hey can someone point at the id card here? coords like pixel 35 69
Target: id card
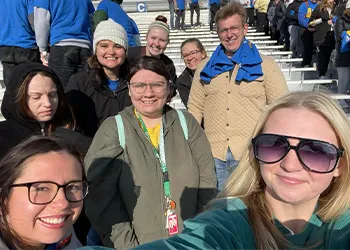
pixel 173 224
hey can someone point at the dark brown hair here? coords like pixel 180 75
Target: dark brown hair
pixel 152 64
pixel 233 8
pixel 161 18
pixel 12 166
pixel 63 115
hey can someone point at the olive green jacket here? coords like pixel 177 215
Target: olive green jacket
pixel 126 198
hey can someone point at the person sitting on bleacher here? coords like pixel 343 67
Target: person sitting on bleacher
pixel 231 88
pixel 294 28
pixel 192 52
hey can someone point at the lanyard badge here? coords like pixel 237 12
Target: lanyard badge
pixel 170 205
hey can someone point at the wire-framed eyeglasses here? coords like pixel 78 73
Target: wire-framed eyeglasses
pixel 156 87
pixel 44 192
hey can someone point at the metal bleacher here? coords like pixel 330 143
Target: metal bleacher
pixel 298 78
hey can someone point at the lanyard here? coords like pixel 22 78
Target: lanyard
pixel 160 155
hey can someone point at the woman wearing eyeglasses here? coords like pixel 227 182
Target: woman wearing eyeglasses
pixel 153 172
pixel 291 188
pixel 193 52
pixel 42 187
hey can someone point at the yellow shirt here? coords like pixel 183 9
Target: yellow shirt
pixel 154 135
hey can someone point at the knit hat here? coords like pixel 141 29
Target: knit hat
pixel 110 30
pixel 162 25
pixel 348 4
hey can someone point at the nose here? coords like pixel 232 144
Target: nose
pixel 60 202
pixel 156 42
pixel 148 90
pixel 291 163
pixel 46 101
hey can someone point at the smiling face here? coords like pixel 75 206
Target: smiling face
pixel 157 41
pixel 45 224
pixel 149 104
pixel 231 33
pixel 42 99
pixel 192 55
pixel 287 181
pixel 109 54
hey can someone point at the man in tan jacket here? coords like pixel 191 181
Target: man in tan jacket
pixel 231 89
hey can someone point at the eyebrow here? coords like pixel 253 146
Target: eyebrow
pixel 38 93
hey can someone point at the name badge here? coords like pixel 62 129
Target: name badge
pixel 173 226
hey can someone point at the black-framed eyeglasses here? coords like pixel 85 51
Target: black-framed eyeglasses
pixel 315 155
pixel 44 192
pixel 191 53
pixel 156 87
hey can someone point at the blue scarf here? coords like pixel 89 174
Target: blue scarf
pixel 247 57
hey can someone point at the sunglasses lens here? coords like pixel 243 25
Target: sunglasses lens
pixel 270 148
pixel 318 156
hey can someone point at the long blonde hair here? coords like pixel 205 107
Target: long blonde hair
pixel 247 184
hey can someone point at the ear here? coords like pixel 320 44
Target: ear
pixel 340 167
pixel 245 27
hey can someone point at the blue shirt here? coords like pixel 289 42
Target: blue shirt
pixel 15 29
pixel 305 11
pixel 113 85
pixel 69 19
pixel 118 15
pixel 181 4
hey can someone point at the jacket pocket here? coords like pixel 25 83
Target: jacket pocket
pixel 211 89
pixel 252 89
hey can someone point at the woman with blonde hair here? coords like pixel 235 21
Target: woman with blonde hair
pixel 291 187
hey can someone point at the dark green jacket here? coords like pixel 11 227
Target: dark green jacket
pixel 126 198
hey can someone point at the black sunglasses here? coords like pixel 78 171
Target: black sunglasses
pixel 315 155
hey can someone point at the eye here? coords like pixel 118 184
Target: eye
pixel 74 187
pixel 35 97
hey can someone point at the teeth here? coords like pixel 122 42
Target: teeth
pixel 110 58
pixel 150 102
pixel 53 220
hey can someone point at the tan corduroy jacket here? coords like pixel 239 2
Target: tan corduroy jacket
pixel 231 110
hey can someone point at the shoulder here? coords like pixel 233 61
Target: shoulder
pixel 268 63
pixel 202 64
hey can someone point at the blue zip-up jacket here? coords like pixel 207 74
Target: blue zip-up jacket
pixel 118 15
pixel 305 11
pixel 15 28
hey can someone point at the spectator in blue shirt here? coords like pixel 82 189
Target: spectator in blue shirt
pixel 66 26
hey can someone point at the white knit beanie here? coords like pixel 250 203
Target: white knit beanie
pixel 110 30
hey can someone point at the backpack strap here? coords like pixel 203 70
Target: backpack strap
pixel 121 133
pixel 183 123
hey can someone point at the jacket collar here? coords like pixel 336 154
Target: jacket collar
pixel 169 116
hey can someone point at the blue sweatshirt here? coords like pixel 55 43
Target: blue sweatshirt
pixel 118 15
pixel 214 1
pixel 181 4
pixel 305 11
pixel 15 28
pixel 63 20
pixel 194 1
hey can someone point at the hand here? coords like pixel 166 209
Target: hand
pixel 44 56
pixel 329 22
pixel 311 29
